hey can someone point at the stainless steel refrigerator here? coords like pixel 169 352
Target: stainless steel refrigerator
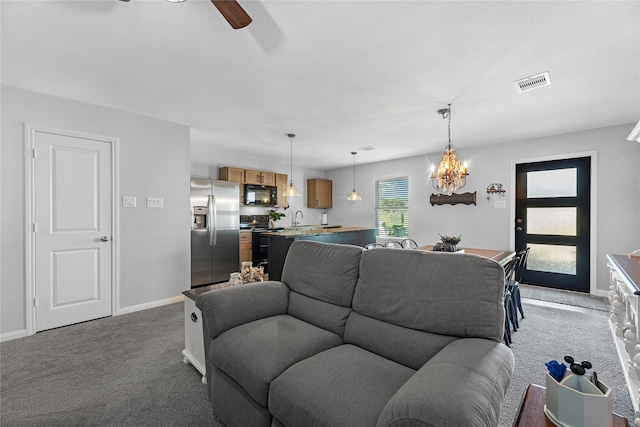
pixel 215 230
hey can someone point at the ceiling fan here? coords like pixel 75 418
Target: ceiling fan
pixel 231 10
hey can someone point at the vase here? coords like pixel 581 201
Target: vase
pixel 445 247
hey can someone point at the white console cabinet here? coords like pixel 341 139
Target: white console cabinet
pixel 624 297
pixel 193 334
pixel 193 340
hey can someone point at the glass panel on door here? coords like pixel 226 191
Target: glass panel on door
pixel 552 258
pixel 553 221
pixel 552 183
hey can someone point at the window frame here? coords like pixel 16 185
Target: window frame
pixel 401 181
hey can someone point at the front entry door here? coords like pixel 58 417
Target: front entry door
pixel 72 180
pixel 553 219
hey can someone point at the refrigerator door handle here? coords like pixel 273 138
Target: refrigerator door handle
pixel 210 219
pixel 213 237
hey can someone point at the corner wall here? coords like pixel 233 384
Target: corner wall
pixel 153 162
pixel 618 192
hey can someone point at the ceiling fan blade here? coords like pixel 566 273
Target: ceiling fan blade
pixel 233 13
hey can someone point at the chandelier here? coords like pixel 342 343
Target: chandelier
pixel 291 191
pixel 354 193
pixel 451 174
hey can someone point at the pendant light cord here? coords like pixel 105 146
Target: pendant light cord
pixel 354 168
pixel 449 128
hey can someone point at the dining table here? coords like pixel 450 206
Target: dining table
pixel 500 256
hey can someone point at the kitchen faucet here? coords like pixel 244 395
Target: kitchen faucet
pixel 295 218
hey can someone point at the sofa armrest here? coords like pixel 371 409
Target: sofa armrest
pixel 462 385
pixel 223 309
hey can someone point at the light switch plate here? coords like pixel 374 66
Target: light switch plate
pixel 155 202
pixel 499 204
pixel 128 201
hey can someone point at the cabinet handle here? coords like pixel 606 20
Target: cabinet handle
pixel 194 317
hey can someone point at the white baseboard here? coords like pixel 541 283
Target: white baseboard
pixel 601 293
pixel 23 332
pixel 13 335
pixel 147 305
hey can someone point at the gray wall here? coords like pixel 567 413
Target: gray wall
pixel 618 192
pixel 153 162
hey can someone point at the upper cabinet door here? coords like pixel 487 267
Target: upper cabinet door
pixel 258 177
pixel 319 193
pixel 231 174
pixel 281 183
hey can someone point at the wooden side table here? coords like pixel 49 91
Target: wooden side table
pixel 531 413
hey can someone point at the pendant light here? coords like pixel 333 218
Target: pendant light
pixel 354 193
pixel 291 191
pixel 451 174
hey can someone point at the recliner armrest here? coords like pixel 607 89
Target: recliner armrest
pixel 227 308
pixel 462 385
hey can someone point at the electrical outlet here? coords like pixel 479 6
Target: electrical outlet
pixel 155 202
pixel 128 201
pixel 499 204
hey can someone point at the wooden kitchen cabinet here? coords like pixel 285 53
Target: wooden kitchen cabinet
pixel 231 174
pixel 245 245
pixel 259 177
pixel 282 183
pixel 319 193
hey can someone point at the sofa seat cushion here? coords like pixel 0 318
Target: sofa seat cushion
pixel 343 386
pixel 255 353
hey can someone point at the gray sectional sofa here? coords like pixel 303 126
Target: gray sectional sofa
pixel 383 337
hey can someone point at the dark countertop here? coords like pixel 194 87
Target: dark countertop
pixel 194 292
pixel 287 233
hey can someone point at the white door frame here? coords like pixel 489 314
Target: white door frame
pixel 29 219
pixel 593 228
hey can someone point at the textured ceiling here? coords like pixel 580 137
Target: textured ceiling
pixel 340 74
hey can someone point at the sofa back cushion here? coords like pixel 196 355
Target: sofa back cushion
pixel 460 295
pixel 322 278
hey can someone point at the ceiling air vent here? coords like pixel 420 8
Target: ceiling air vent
pixel 367 148
pixel 533 82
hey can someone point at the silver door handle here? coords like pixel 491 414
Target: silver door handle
pixel 215 221
pixel 104 239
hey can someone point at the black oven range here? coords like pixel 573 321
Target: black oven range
pixel 258 224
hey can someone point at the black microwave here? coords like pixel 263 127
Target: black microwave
pixel 260 195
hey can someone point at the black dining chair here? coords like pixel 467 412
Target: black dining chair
pixel 522 265
pixel 393 244
pixel 511 315
pixel 374 246
pixel 408 244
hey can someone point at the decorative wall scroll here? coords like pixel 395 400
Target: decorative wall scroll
pixel 453 199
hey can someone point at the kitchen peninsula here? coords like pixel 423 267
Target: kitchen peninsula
pixel 279 242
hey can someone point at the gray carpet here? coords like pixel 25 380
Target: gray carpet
pixel 128 370
pixel 117 371
pixel 549 333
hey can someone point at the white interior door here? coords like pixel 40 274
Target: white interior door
pixel 72 179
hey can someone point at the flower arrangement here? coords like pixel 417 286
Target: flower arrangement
pixel 454 240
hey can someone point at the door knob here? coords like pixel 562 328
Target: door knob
pixel 519 221
pixel 104 239
pixel 518 228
